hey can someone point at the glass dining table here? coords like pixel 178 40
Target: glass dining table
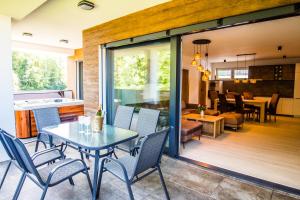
pixel 74 133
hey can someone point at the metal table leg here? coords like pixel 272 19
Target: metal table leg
pixel 96 171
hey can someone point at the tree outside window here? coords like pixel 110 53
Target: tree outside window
pixel 38 71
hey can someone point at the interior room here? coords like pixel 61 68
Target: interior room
pixel 254 62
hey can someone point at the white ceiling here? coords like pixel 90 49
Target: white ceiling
pixel 18 9
pixel 62 19
pixel 260 38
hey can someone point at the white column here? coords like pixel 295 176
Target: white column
pixel 7 118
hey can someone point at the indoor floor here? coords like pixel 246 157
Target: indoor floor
pixel 269 151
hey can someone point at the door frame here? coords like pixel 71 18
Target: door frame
pixel 175 83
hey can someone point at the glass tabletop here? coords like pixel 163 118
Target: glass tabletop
pixel 73 132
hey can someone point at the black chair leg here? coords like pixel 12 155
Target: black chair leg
pixel 20 185
pixel 163 183
pixel 71 181
pixel 44 193
pixel 5 173
pixel 129 190
pixel 36 146
pixel 89 180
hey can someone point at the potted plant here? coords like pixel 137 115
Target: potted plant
pixel 99 119
pixel 201 108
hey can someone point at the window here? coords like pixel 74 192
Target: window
pixel 39 71
pixel 241 73
pixel 224 73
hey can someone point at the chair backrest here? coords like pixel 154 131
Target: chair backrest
pixel 248 95
pixel 150 152
pixel 239 105
pixel 147 121
pixel 22 156
pixel 273 103
pixel 5 145
pixel 223 103
pixel 123 117
pixel 9 141
pixel 46 117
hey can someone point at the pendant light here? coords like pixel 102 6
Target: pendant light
pixel 245 67
pixel 253 81
pixel 198 60
pixel 237 81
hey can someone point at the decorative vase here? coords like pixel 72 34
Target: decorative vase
pixel 98 123
pixel 202 113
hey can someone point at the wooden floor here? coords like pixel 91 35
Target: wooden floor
pixel 269 151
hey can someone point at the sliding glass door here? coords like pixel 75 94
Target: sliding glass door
pixel 141 78
pixel 144 76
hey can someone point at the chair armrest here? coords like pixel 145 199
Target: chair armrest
pixel 28 142
pixel 110 159
pixel 39 153
pixel 54 170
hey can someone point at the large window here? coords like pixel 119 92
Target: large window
pixel 142 78
pixel 240 73
pixel 224 74
pixel 39 71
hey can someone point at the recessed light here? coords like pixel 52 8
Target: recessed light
pixel 86 5
pixel 26 34
pixel 64 41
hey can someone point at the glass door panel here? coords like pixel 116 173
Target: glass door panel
pixel 141 78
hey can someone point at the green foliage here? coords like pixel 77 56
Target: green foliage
pixel 132 71
pixel 35 72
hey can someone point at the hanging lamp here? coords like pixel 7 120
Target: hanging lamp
pixel 198 58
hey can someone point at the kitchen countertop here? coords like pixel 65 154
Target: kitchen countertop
pixel 45 103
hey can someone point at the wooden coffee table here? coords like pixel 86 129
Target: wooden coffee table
pixel 213 126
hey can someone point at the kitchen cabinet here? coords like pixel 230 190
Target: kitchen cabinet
pixel 296 108
pixel 285 106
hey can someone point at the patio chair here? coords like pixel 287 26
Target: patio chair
pixel 46 117
pixel 39 158
pixel 123 117
pixel 146 124
pixel 130 169
pixel 47 176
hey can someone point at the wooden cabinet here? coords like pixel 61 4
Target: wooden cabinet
pixel 25 123
pixel 285 106
pixel 272 72
pixel 296 108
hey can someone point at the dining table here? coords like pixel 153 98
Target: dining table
pixel 261 103
pixel 83 137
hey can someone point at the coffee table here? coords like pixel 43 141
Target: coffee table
pixel 213 126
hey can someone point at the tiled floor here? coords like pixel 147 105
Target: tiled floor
pixel 184 181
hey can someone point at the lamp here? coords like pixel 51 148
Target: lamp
pixel 196 62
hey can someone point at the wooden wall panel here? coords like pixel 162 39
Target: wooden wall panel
pixel 173 14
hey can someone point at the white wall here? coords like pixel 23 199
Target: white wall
pixel 7 119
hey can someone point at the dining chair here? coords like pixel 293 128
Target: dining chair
pixel 46 117
pixel 39 158
pixel 240 108
pixel 272 109
pixel 47 176
pixel 146 124
pixel 223 103
pixel 123 117
pixel 131 169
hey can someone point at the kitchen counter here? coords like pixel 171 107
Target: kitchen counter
pixel 45 103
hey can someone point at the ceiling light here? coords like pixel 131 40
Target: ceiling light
pixel 86 5
pixel 26 34
pixel 64 41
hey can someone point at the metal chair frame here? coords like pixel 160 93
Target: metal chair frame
pixel 136 178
